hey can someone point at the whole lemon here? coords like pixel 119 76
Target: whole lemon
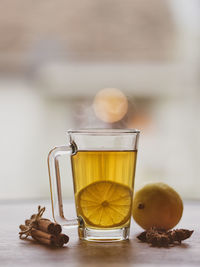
pixel 157 205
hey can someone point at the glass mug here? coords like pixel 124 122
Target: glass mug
pixel 103 168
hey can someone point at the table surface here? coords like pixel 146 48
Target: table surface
pixel 16 252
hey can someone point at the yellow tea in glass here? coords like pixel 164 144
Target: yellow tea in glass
pixel 103 168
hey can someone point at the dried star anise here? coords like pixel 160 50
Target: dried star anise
pixel 163 238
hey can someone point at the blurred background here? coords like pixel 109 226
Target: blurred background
pixel 57 56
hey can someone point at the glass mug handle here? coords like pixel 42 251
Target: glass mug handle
pixel 55 184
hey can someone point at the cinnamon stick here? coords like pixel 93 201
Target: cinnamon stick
pixel 43 230
pixel 46 225
pixel 49 239
pixel 57 229
pixel 39 234
pixel 61 240
pixel 65 238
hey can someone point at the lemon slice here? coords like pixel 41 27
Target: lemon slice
pixel 105 204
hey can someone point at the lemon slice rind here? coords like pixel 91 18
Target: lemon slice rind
pixel 105 204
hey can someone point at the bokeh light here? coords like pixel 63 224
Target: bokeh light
pixel 110 105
